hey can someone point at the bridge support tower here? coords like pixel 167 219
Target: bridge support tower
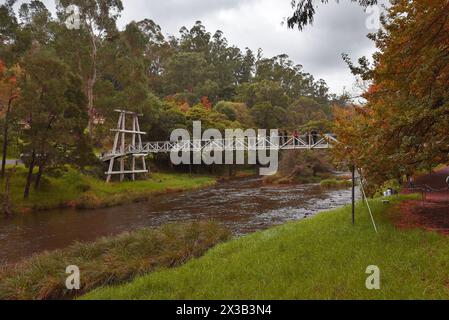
pixel 119 152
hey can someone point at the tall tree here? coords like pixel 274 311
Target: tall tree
pixel 9 92
pixel 8 30
pixel 49 93
pixel 403 127
pixel 98 19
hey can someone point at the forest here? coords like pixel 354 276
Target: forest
pixel 59 85
pixel 375 229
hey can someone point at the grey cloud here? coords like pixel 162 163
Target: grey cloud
pixel 337 28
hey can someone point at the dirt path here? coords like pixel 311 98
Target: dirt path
pixel 433 212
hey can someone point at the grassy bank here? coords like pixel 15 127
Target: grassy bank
pixel 73 189
pixel 324 257
pixel 109 260
pixel 335 184
pixel 279 179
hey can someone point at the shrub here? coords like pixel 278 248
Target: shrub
pixel 88 200
pixel 390 184
pixel 335 184
pixel 84 187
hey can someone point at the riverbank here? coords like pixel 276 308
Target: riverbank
pixel 323 257
pixel 72 189
pixel 242 205
pixel 109 260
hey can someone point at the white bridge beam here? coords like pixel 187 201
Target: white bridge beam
pixel 305 142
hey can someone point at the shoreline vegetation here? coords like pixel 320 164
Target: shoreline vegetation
pixel 323 257
pixel 335 183
pixel 302 167
pixel 69 188
pixel 109 260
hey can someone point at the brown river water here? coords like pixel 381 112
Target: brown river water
pixel 243 206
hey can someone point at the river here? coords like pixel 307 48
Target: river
pixel 243 206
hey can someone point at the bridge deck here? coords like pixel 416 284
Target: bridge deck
pixel 305 142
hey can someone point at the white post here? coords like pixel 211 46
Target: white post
pixel 133 160
pixel 122 149
pixel 139 136
pixel 114 150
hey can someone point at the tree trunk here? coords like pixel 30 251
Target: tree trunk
pixel 90 85
pixel 38 177
pixel 7 198
pixel 26 193
pixel 5 138
pixel 90 106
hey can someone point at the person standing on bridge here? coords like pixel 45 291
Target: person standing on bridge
pixel 296 138
pixel 314 135
pixel 284 136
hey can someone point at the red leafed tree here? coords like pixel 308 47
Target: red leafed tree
pixel 404 126
pixel 9 92
pixel 206 103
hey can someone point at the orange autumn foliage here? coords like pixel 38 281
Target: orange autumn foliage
pixel 8 85
pixel 206 103
pixel 404 125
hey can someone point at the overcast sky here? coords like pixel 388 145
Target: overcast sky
pixel 257 24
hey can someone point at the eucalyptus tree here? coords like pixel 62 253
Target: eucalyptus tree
pixel 97 23
pixel 247 67
pixel 157 54
pixel 9 27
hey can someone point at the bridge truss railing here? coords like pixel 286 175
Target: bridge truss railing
pixel 308 142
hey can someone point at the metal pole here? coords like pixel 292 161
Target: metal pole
pixel 353 195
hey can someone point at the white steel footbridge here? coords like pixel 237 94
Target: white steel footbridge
pixel 138 150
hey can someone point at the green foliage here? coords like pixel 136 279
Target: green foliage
pixel 335 184
pixel 390 184
pixel 228 109
pixel 86 73
pixel 267 116
pixel 185 71
pixel 210 119
pixel 261 92
pixel 235 111
pixel 68 187
pixel 55 118
pixel 304 110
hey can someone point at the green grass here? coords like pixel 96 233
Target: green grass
pixel 324 257
pixel 109 260
pixel 73 189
